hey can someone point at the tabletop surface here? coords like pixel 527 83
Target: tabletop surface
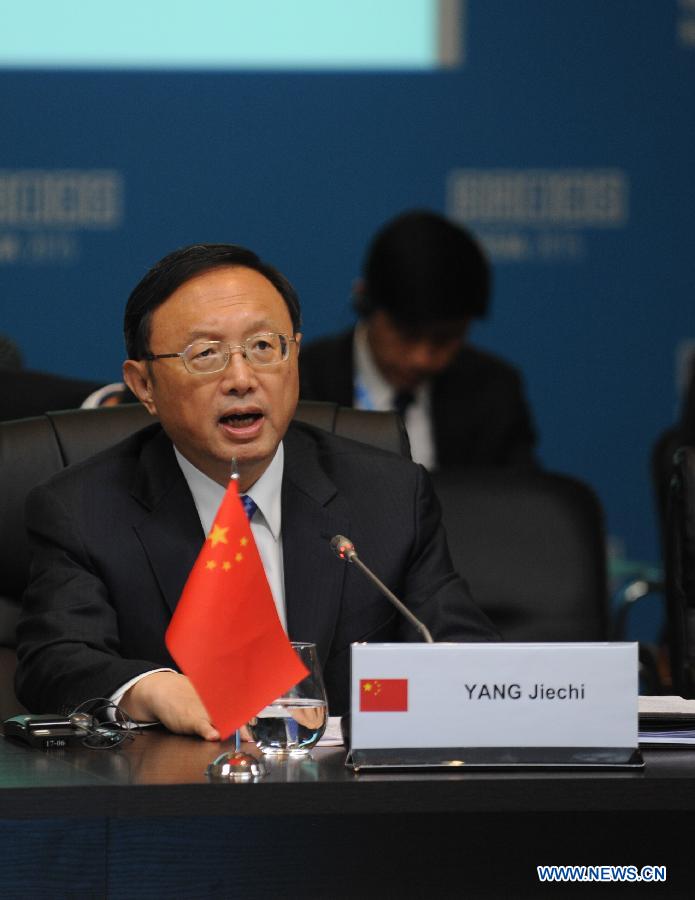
pixel 157 773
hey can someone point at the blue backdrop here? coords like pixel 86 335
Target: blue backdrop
pixel 566 139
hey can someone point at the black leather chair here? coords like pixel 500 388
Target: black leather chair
pixel 679 563
pixel 661 466
pixel 531 545
pixel 31 450
pixel 670 504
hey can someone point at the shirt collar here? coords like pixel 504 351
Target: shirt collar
pixel 266 492
pixel 379 394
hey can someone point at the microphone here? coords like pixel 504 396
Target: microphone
pixel 345 549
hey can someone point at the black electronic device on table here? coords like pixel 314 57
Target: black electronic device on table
pixel 48 732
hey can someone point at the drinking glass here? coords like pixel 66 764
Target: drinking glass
pixel 294 723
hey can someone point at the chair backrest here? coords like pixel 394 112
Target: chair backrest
pixel 531 545
pixel 31 450
pixel 679 564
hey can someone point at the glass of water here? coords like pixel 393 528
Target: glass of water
pixel 294 723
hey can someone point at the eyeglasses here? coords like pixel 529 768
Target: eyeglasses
pixel 206 357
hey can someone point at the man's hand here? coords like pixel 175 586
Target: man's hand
pixel 171 699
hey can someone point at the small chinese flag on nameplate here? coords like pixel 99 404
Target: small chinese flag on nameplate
pixel 225 633
pixel 384 695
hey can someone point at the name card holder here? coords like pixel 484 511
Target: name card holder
pixel 569 705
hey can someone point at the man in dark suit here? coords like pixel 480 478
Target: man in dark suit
pixel 213 336
pixel 425 280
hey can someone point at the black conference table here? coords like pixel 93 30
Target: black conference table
pixel 144 821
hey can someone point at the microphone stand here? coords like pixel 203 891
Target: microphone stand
pixel 346 550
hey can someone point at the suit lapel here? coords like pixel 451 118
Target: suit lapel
pixel 171 533
pixel 312 512
pixel 453 412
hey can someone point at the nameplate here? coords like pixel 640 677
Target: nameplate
pixel 578 695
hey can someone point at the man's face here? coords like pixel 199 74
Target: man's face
pixel 241 412
pixel 407 357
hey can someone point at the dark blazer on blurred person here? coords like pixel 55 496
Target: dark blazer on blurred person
pixel 24 392
pixel 479 413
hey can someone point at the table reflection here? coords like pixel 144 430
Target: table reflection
pixel 157 757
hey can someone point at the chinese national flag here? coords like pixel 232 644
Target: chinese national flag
pixel 384 695
pixel 225 633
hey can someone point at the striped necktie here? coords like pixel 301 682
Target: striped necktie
pixel 249 505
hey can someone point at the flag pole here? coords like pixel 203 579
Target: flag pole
pixel 234 476
pixel 237 765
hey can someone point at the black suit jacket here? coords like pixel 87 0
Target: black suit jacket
pixel 24 392
pixel 115 537
pixel 479 413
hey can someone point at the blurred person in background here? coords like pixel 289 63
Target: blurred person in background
pixel 26 392
pixel 424 282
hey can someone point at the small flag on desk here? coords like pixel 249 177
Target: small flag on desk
pixel 225 634
pixel 384 695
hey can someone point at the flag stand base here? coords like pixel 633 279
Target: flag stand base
pixel 236 766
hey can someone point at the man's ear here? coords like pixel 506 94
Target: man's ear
pixel 360 298
pixel 137 375
pixel 298 340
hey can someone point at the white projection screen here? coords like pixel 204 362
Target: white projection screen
pixel 232 34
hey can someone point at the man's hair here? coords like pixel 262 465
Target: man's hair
pixel 422 269
pixel 176 269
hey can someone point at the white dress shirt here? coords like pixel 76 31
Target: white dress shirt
pixel 265 523
pixel 372 391
pixel 266 528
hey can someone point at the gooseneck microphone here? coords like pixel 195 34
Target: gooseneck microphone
pixel 345 549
